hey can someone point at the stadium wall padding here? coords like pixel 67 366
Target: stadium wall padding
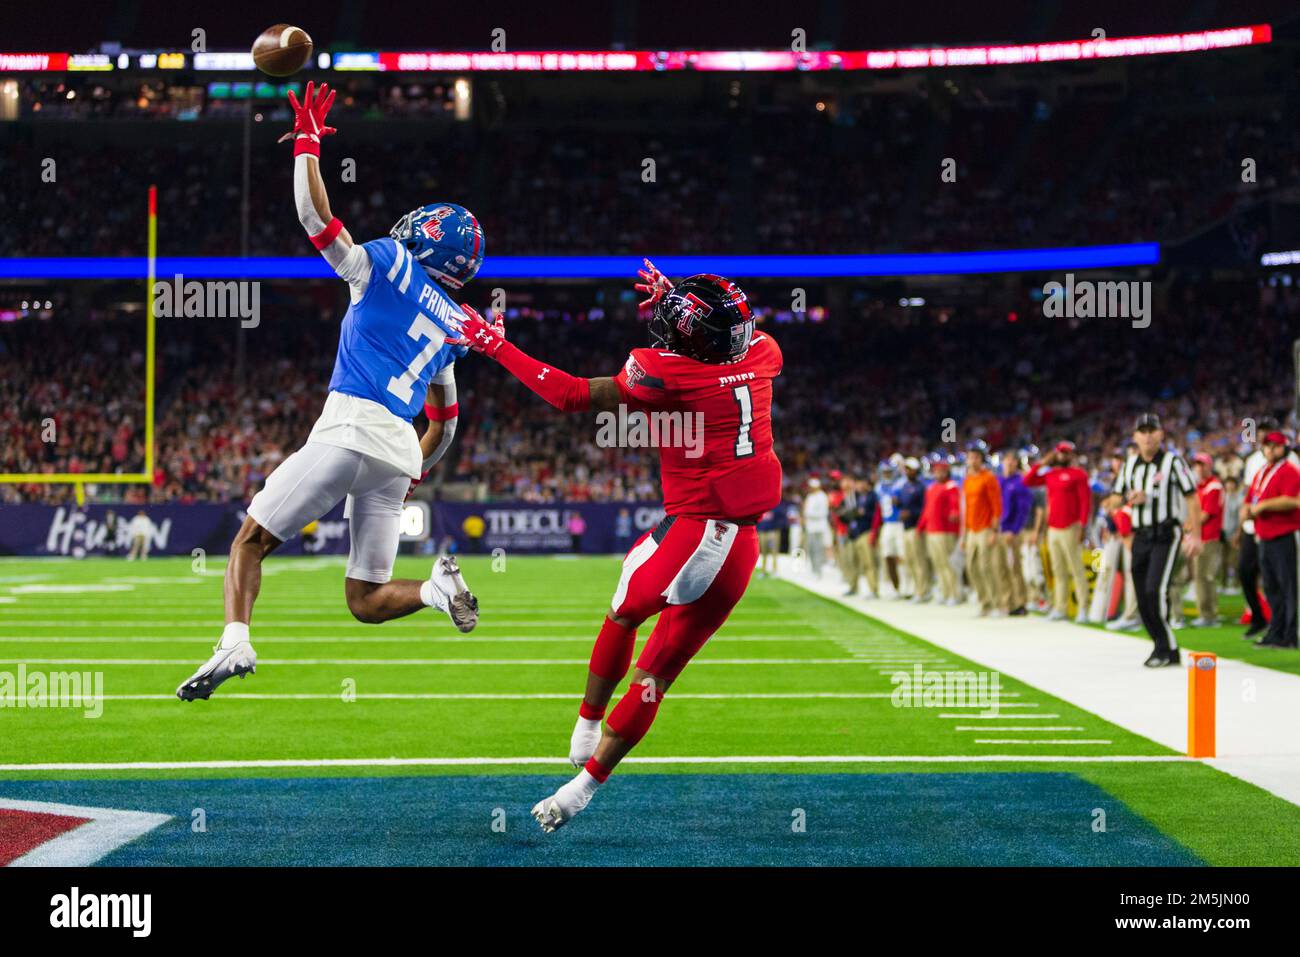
pixel 474 527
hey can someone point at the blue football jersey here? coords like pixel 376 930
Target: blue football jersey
pixel 886 494
pixel 393 339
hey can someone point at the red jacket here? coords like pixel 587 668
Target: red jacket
pixel 1069 499
pixel 1282 478
pixel 941 512
pixel 1210 494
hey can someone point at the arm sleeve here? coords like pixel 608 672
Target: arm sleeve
pixel 447 414
pixel 566 392
pixel 1034 476
pixel 323 235
pixel 1085 498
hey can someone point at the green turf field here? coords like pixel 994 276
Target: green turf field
pixel 791 683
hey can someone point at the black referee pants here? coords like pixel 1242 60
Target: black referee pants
pixel 1282 588
pixel 1155 551
pixel 1248 575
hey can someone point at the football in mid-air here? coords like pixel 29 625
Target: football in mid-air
pixel 282 50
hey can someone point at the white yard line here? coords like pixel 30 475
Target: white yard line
pixel 981 716
pixel 416 662
pixel 1041 741
pixel 1021 729
pixel 1101 672
pixel 743 759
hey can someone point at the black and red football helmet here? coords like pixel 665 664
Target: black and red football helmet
pixel 704 317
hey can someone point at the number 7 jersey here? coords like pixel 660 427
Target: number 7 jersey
pixel 715 443
pixel 392 344
pixel 392 340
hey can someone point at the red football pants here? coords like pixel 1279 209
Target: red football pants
pixel 692 572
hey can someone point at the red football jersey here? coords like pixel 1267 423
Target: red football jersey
pixel 725 467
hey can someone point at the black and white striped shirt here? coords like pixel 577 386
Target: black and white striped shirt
pixel 1166 479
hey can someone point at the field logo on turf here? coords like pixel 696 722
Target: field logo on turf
pixel 1085 299
pixel 74 909
pixel 53 689
pixel 919 688
pixel 209 300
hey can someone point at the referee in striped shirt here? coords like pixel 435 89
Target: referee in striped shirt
pixel 1161 491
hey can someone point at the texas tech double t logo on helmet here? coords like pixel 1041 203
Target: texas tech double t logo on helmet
pixel 704 317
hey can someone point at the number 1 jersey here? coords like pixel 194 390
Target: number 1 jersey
pixel 715 443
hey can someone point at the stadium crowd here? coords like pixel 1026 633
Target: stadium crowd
pixel 885 383
pixel 860 177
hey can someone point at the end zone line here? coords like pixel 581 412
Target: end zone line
pixel 560 761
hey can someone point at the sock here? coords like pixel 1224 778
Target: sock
pixel 612 654
pixel 234 633
pixel 633 714
pixel 589 713
pixel 432 596
pixel 592 776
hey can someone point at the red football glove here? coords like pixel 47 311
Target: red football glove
pixel 478 335
pixel 309 119
pixel 655 286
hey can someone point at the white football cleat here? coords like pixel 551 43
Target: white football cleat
pixel 582 744
pixel 462 606
pixel 554 812
pixel 225 663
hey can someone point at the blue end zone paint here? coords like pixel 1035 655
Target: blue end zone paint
pixel 645 819
pixel 613 267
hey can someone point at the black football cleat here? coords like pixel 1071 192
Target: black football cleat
pixel 1162 659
